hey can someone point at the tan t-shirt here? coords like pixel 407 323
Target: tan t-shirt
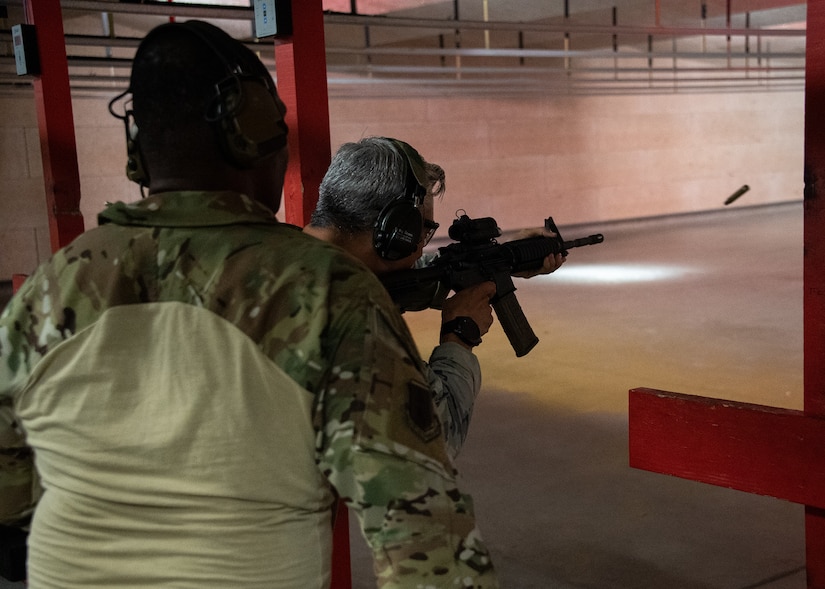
pixel 184 474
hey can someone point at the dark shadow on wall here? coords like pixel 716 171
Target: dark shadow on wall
pixel 5 293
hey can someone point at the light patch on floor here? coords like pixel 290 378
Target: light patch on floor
pixel 617 273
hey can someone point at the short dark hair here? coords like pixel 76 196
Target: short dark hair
pixel 362 179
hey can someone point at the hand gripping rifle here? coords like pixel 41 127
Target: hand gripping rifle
pixel 476 257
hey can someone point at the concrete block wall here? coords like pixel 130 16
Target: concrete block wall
pixel 101 158
pixel 595 159
pixel 580 159
pixel 24 231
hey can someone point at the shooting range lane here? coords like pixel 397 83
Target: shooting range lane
pixel 710 304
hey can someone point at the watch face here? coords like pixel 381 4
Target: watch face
pixel 469 329
pixel 465 328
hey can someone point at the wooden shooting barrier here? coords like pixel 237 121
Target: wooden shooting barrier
pixel 754 448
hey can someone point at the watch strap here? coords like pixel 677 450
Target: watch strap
pixel 465 328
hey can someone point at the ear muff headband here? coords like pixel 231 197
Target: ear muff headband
pixel 135 169
pixel 248 120
pixel 245 109
pixel 416 182
pixel 398 228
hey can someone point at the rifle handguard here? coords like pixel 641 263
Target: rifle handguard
pixel 477 257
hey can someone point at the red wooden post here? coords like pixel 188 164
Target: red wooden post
pixel 56 122
pixel 814 263
pixel 302 84
pixel 341 564
pixel 301 73
pixel 17 281
pixel 754 448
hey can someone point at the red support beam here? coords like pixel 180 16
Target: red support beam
pixel 753 448
pixel 341 561
pixel 302 84
pixel 814 207
pixel 17 281
pixel 56 123
pixel 814 263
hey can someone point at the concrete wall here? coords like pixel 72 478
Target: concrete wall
pixel 579 159
pixel 24 233
pixel 595 158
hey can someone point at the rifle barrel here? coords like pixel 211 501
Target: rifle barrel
pixel 589 240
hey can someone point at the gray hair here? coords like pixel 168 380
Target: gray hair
pixel 362 179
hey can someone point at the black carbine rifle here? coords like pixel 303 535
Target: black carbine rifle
pixel 476 257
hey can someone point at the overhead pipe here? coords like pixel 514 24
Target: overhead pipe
pixel 615 39
pixel 727 21
pixel 337 18
pixel 502 85
pixel 457 33
pixel 566 34
pixel 704 18
pixel 747 38
pixel 521 53
pixel 485 16
pixel 554 53
pixel 563 27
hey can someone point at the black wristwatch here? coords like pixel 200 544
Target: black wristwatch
pixel 465 328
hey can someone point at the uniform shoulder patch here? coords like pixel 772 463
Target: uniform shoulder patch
pixel 421 412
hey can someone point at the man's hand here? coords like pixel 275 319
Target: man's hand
pixel 473 302
pixel 551 263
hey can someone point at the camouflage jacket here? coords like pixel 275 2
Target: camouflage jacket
pixel 315 315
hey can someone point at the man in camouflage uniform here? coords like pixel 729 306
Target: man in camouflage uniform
pixel 364 181
pixel 199 382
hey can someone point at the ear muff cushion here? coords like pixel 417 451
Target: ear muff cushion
pixel 397 230
pixel 135 170
pixel 252 128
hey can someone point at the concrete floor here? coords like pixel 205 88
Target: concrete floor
pixel 706 304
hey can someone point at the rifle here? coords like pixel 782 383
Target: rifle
pixel 476 257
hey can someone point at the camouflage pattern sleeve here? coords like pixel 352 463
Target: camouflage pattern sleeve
pixel 19 485
pixel 454 375
pixel 46 311
pixel 382 448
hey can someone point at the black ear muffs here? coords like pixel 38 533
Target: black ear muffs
pixel 245 110
pixel 135 169
pixel 248 120
pixel 398 228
